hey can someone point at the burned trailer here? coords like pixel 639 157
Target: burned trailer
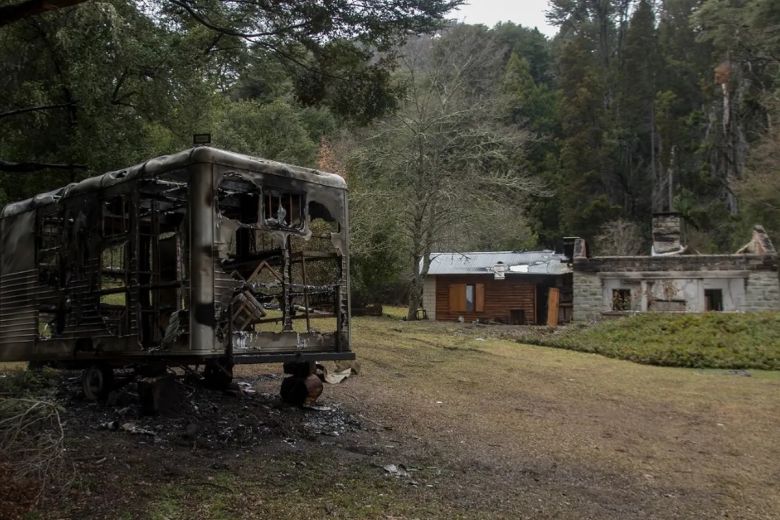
pixel 204 257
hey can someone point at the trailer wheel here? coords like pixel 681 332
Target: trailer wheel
pixel 301 391
pixel 302 387
pixel 96 382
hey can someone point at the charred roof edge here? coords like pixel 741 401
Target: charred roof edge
pixel 159 165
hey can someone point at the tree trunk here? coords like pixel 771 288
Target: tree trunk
pixel 415 290
pixel 422 264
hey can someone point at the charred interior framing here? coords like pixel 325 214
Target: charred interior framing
pixel 199 255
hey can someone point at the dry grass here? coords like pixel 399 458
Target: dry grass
pixel 677 441
pixel 495 429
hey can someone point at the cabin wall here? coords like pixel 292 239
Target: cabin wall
pixel 500 298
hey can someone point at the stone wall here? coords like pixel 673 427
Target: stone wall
pixel 677 263
pixel 429 297
pixel 762 291
pixel 587 302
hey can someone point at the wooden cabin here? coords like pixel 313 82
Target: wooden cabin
pixel 520 288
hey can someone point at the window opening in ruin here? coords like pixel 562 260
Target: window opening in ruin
pixel 621 299
pixel 713 300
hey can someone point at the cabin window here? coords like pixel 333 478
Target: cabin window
pixel 713 300
pixel 467 298
pixel 470 298
pixel 621 299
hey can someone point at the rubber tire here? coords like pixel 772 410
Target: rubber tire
pixel 97 381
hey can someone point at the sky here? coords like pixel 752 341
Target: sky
pixel 529 13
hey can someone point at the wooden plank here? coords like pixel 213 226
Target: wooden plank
pixel 457 297
pixel 553 297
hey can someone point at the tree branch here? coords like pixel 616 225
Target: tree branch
pixel 14 12
pixel 27 167
pixel 232 32
pixel 33 109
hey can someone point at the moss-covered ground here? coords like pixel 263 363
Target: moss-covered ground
pixel 709 340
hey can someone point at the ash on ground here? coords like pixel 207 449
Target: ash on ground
pixel 204 418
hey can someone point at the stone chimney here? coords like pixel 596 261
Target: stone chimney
pixel 579 249
pixel 667 234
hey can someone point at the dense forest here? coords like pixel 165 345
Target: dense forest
pixel 452 137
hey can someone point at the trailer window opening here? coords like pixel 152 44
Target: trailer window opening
pixel 113 275
pixel 116 217
pixel 283 209
pixel 239 200
pixel 50 232
pixel 160 262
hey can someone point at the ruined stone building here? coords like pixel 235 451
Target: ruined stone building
pixel 671 279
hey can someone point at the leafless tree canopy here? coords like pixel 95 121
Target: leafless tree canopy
pixel 620 238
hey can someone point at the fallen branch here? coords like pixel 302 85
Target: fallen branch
pixel 32 442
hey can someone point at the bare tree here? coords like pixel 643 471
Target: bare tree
pixel 443 157
pixel 619 238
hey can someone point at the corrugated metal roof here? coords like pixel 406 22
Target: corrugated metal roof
pixel 485 262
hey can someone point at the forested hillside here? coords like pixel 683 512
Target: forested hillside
pixel 451 137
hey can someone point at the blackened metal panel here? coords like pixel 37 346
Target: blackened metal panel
pixel 18 309
pixel 201 218
pixel 18 283
pixel 345 260
pixel 18 243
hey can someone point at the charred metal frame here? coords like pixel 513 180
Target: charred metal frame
pixel 180 259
